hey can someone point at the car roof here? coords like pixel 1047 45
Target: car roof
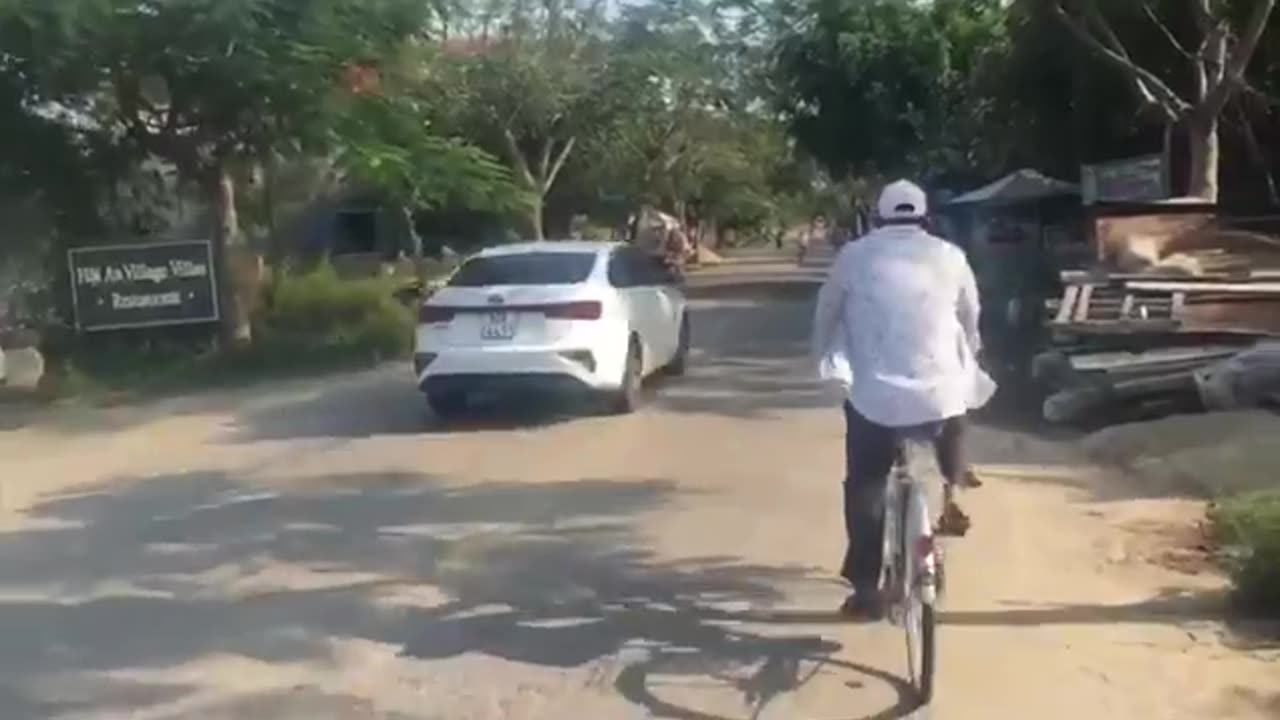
pixel 551 246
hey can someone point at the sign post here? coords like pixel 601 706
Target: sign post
pixel 119 287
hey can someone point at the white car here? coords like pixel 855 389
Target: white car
pixel 557 316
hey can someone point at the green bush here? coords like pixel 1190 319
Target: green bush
pixel 109 363
pixel 1248 529
pixel 321 314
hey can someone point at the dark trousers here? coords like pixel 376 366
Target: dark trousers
pixel 870 453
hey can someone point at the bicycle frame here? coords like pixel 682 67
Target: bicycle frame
pixel 911 554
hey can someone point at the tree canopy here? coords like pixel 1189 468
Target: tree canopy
pixel 974 88
pixel 886 87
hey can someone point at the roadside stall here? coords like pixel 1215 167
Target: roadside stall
pixel 1019 232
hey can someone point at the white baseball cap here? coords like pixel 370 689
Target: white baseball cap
pixel 902 200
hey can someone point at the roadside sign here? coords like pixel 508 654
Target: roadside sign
pixel 145 285
pixel 1132 180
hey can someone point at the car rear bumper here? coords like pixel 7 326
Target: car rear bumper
pixel 553 370
pixel 510 384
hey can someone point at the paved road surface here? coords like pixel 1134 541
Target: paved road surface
pixel 323 550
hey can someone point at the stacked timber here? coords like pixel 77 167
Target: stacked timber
pixel 1170 339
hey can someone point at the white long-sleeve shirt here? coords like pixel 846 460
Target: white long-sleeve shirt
pixel 900 311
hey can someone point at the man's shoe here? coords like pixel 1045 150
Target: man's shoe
pixel 954 522
pixel 971 480
pixel 861 607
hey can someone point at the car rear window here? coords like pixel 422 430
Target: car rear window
pixel 536 268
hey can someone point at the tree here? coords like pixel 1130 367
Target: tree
pixel 530 91
pixel 678 111
pixel 1217 47
pixel 207 85
pixel 47 165
pixel 384 142
pixel 891 87
pixel 696 141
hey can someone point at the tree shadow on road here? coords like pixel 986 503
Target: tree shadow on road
pixel 385 403
pixel 1170 607
pixel 1264 704
pixel 1173 607
pixel 154 575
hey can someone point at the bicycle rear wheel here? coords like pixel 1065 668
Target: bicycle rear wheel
pixel 918 615
pixel 921 630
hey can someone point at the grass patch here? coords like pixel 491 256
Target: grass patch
pixel 1247 527
pixel 320 313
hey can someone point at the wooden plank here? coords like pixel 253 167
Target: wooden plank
pixel 1140 371
pixel 1155 274
pixel 1260 288
pixel 1104 277
pixel 1127 327
pixel 1116 360
pixel 1171 382
pixel 1068 304
pixel 1237 298
pixel 1118 304
pixel 1076 403
pixel 1082 305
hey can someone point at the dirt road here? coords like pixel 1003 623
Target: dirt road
pixel 323 550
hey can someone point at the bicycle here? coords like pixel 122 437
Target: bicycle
pixel 913 576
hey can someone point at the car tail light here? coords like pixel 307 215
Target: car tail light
pixel 421 361
pixel 583 310
pixel 435 314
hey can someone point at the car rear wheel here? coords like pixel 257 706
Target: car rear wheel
pixel 680 363
pixel 447 406
pixel 627 398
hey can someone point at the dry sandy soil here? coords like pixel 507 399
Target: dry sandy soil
pixel 324 549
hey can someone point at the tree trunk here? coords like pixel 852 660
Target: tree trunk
pixel 416 249
pixel 533 218
pixel 1205 145
pixel 233 291
pixel 633 226
pixel 274 241
pixel 539 177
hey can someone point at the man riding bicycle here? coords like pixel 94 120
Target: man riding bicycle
pixel 900 310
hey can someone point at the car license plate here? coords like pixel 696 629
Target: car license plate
pixel 498 325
